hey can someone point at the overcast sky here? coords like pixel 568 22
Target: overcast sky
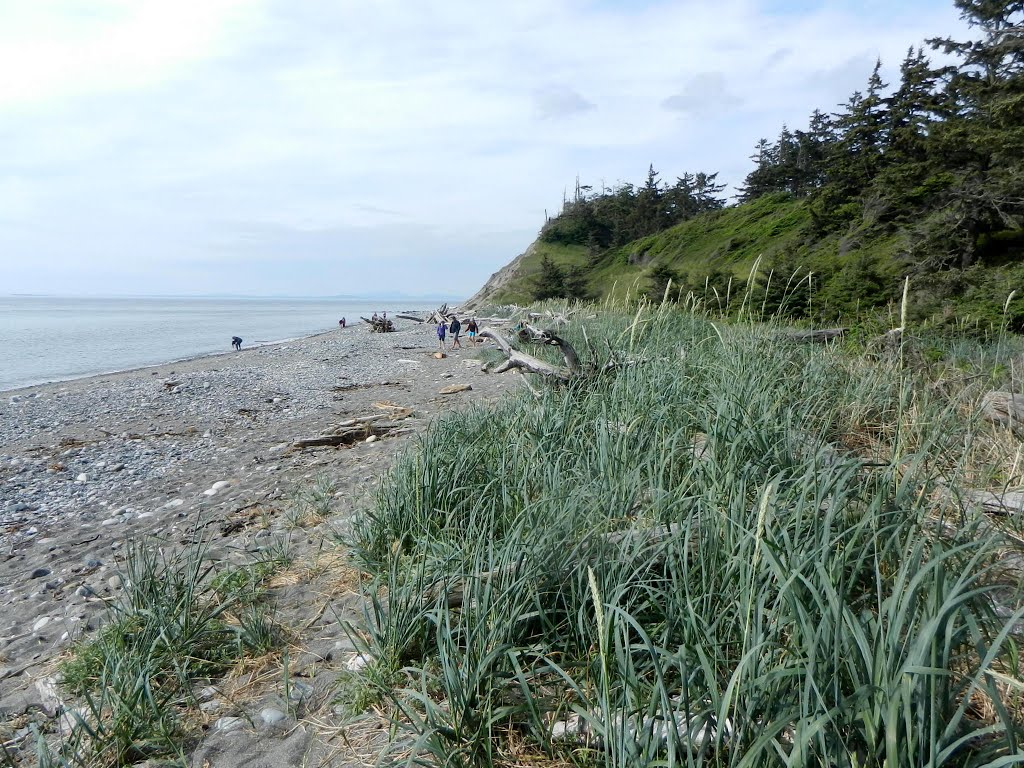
pixel 318 147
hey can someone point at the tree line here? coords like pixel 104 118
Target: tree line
pixel 937 158
pixel 940 153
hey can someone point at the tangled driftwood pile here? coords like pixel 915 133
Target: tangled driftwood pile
pixel 379 324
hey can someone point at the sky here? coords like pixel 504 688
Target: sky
pixel 379 147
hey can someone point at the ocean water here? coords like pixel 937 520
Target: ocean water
pixel 51 339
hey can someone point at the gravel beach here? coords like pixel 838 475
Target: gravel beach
pixel 86 465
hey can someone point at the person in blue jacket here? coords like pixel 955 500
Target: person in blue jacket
pixel 442 329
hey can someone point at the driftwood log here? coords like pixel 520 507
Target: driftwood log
pixel 558 318
pixel 998 503
pixel 523 361
pixel 816 336
pixel 353 431
pixel 1005 408
pixel 440 315
pixel 685 728
pixel 455 389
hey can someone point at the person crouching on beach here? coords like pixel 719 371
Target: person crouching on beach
pixel 455 328
pixel 236 342
pixel 442 328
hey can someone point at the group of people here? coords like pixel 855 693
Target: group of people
pixel 455 328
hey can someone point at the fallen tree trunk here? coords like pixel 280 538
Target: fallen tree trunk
pixel 816 336
pixel 412 317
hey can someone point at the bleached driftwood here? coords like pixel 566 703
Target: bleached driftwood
pixel 454 389
pixel 517 359
pixel 440 315
pixel 688 729
pixel 1004 408
pixel 1001 503
pixel 352 431
pixel 558 318
pixel 379 324
pixel 816 336
pixel 537 336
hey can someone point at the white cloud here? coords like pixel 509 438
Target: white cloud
pixel 199 131
pixel 51 50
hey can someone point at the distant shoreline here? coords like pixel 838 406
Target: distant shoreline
pixel 49 358
pixel 187 359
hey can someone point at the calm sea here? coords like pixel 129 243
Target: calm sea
pixel 49 339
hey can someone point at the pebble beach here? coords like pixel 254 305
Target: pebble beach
pixel 90 464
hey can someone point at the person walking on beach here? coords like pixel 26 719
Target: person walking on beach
pixel 236 342
pixel 455 328
pixel 342 322
pixel 442 328
pixel 471 329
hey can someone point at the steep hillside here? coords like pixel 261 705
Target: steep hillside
pixel 775 228
pixel 514 283
pixel 728 240
pixel 808 273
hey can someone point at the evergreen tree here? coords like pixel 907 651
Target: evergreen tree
pixel 760 181
pixel 981 141
pixel 550 281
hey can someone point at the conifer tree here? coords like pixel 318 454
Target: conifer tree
pixel 981 141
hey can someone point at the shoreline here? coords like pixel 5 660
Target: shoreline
pixel 188 359
pixel 40 356
pixel 89 466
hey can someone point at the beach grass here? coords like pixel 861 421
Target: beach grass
pixel 731 550
pixel 179 622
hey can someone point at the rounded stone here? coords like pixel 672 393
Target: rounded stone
pixel 272 716
pixel 228 724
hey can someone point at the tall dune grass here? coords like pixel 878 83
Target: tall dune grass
pixel 733 551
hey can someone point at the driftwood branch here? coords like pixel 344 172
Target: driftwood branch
pixel 999 504
pixel 538 336
pixel 352 431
